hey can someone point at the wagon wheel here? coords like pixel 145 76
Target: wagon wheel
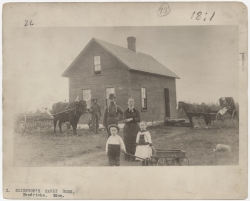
pixel 162 162
pixel 214 122
pixel 173 161
pixel 184 162
pixel 153 161
pixel 235 118
pixel 48 125
pixel 20 127
pixel 222 121
pixel 202 121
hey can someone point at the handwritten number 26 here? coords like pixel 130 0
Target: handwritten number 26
pixel 27 23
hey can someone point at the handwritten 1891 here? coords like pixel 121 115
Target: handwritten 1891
pixel 200 16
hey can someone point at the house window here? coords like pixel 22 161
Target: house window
pixel 143 98
pixel 86 95
pixel 110 90
pixel 97 65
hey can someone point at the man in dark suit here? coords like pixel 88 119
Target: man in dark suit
pixel 96 114
pixel 111 113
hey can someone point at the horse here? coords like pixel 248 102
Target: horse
pixel 195 110
pixel 68 112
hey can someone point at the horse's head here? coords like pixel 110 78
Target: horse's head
pixel 180 105
pixel 81 106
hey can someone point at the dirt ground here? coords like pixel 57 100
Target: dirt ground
pixel 86 149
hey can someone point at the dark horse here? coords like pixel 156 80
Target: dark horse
pixel 195 111
pixel 68 112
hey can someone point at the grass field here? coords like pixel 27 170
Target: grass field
pixel 85 149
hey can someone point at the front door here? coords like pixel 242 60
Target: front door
pixel 167 103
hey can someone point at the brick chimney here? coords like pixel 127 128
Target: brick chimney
pixel 131 43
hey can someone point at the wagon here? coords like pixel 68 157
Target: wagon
pixel 165 157
pixel 33 122
pixel 36 122
pixel 170 157
pixel 221 118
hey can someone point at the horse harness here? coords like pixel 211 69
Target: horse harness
pixel 73 109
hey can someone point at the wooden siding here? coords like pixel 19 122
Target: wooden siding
pixel 114 74
pixel 126 83
pixel 154 85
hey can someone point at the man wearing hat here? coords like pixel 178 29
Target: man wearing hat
pixel 224 106
pixel 111 113
pixel 96 114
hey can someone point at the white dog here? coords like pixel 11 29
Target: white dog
pixel 222 147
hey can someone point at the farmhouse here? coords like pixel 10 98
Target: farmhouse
pixel 102 68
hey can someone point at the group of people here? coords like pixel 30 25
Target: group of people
pixel 136 142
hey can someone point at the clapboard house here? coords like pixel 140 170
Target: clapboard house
pixel 102 68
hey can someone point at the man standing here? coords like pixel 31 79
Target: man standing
pixel 96 114
pixel 224 106
pixel 111 113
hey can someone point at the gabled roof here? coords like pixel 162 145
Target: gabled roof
pixel 132 60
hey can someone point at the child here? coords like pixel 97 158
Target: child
pixel 114 145
pixel 143 143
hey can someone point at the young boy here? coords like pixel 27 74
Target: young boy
pixel 114 145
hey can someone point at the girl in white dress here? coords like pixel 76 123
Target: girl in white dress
pixel 143 143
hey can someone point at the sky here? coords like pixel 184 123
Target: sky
pixel 206 58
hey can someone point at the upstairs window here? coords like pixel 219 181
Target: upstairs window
pixel 97 65
pixel 143 98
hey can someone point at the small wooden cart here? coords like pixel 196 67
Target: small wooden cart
pixel 171 157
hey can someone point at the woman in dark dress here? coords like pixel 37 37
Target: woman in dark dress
pixel 131 129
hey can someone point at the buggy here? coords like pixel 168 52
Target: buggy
pixel 223 117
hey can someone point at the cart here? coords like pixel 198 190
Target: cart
pixel 227 115
pixel 211 116
pixel 33 122
pixel 36 122
pixel 170 157
pixel 163 157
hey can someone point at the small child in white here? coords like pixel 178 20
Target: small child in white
pixel 114 145
pixel 143 143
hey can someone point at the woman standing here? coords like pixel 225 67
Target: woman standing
pixel 131 128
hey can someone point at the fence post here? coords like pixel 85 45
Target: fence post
pixel 153 112
pixel 25 117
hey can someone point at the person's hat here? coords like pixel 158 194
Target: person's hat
pixel 111 96
pixel 114 125
pixel 223 99
pixel 94 99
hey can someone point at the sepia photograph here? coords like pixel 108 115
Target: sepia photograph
pixel 150 98
pixel 170 93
